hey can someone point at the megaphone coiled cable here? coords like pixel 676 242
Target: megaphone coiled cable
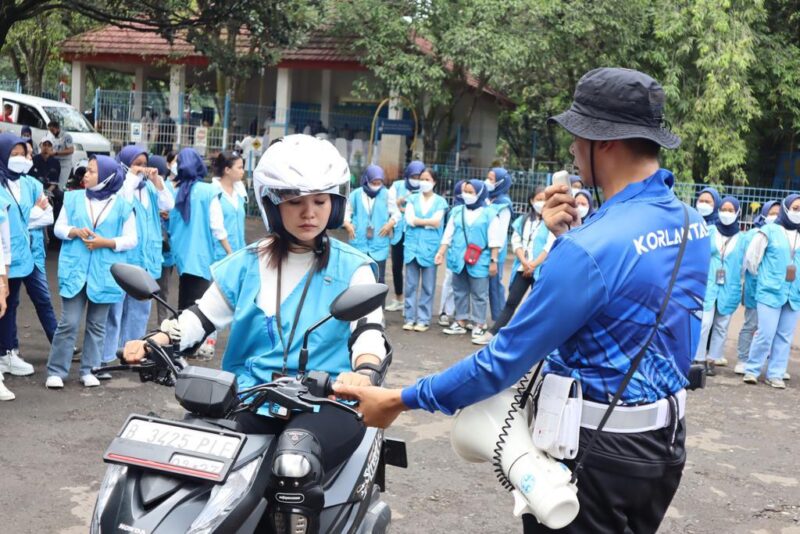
pixel 521 397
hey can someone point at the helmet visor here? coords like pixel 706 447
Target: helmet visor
pixel 282 194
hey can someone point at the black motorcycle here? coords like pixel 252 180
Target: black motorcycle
pixel 200 475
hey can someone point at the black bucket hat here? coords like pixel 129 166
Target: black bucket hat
pixel 613 103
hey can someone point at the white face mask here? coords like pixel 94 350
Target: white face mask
pixel 19 164
pixel 727 218
pixel 538 206
pixel 374 188
pixel 174 168
pixel 704 209
pixel 770 218
pixel 99 186
pixel 583 211
pixel 413 183
pixel 794 216
pixel 489 185
pixel 426 187
pixel 469 198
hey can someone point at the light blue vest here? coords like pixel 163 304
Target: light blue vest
pixel 376 248
pixel 168 258
pixel 37 248
pixel 399 187
pixel 258 351
pixel 773 289
pixel 192 242
pixel 234 224
pixel 19 214
pixel 148 252
pixel 728 295
pixel 77 265
pixel 750 281
pixel 422 242
pixel 478 234
pixel 539 239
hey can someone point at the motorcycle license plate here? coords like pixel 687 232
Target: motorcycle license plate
pixel 176 448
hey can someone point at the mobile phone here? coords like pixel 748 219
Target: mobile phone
pixel 562 178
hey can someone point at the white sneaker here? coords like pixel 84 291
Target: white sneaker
pixel 419 327
pixel 408 326
pixel 776 383
pixel 444 320
pixel 5 393
pixel 739 369
pixel 483 339
pixel 54 382
pixel 787 376
pixel 722 362
pixel 90 381
pixel 455 329
pixel 12 363
pixel 394 306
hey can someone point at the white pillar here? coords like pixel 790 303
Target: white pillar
pixel 177 87
pixel 138 88
pixel 78 85
pixel 283 104
pixel 325 99
pixel 392 147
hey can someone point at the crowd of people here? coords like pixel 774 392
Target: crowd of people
pixel 159 213
pixel 147 210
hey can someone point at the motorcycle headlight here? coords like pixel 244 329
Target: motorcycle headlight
pixel 113 474
pixel 224 498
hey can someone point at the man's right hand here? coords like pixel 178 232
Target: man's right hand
pixel 560 212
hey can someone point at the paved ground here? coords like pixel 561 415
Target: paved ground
pixel 742 476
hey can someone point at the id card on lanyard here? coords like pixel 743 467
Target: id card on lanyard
pixel 791 269
pixel 370 210
pixel 96 221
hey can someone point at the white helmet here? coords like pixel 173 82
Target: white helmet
pixel 298 165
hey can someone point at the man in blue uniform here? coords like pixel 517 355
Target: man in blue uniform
pixel 595 306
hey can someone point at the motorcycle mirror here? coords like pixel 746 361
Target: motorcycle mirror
pixel 135 281
pixel 357 301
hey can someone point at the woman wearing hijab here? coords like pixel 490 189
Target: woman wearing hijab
pixel 371 216
pixel 583 199
pixel 27 208
pixel 772 255
pixel 498 182
pixel 708 203
pixel 447 300
pixel 97 226
pixel 473 238
pixel 769 213
pixel 530 242
pixel 724 285
pixel 196 223
pixel 145 190
pixel 403 189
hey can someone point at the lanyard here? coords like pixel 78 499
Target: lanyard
pixel 96 221
pixel 793 246
pixel 286 345
pixel 529 240
pixel 724 246
pixel 11 193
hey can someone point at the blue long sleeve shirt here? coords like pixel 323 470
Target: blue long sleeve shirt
pixel 594 306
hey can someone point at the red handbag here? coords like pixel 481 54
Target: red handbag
pixel 473 252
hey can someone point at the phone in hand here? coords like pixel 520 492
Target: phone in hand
pixel 562 178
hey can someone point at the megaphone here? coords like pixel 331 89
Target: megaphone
pixel 541 485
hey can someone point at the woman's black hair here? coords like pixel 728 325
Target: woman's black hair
pixel 225 160
pixel 170 157
pixel 433 174
pixel 277 246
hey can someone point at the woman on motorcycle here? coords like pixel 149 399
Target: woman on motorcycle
pixel 272 291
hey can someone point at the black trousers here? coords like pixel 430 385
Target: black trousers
pixel 190 288
pixel 627 483
pixel 338 433
pixel 519 285
pixel 397 266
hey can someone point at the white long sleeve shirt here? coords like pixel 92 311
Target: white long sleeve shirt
pixel 5 249
pixel 39 217
pixel 758 246
pixel 127 241
pixel 217 220
pixel 129 191
pixel 425 205
pixel 496 233
pixel 217 309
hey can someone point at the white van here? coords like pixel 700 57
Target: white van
pixel 36 112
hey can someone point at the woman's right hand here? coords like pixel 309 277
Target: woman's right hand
pixel 438 259
pixel 134 351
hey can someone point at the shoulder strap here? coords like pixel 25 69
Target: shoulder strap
pixel 640 355
pixel 464 225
